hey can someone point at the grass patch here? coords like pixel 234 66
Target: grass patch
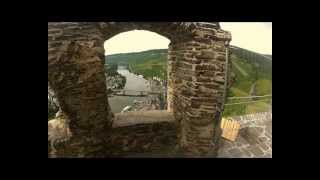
pixel 264 86
pixel 257 107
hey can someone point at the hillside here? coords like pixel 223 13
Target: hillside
pixel 148 63
pixel 251 72
pixel 249 67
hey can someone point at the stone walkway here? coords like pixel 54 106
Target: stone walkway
pixel 254 139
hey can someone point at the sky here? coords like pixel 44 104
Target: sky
pixel 254 36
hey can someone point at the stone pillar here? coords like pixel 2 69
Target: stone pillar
pixel 198 79
pixel 78 79
pixel 170 82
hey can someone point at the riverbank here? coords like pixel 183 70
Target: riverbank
pixel 149 70
pixel 114 79
pixel 115 82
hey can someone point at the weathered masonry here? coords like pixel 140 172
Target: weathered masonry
pixel 196 74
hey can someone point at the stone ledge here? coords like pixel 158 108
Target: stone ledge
pixel 142 117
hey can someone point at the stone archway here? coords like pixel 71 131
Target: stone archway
pixel 196 76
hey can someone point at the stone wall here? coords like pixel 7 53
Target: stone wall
pixel 135 135
pixel 196 74
pixel 138 140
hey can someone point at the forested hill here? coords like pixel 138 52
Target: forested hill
pixel 148 63
pixel 138 57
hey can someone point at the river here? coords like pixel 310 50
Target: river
pixel 134 82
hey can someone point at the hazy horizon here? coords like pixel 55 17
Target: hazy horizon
pixel 253 36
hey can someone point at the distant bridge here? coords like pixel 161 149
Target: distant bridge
pixel 134 93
